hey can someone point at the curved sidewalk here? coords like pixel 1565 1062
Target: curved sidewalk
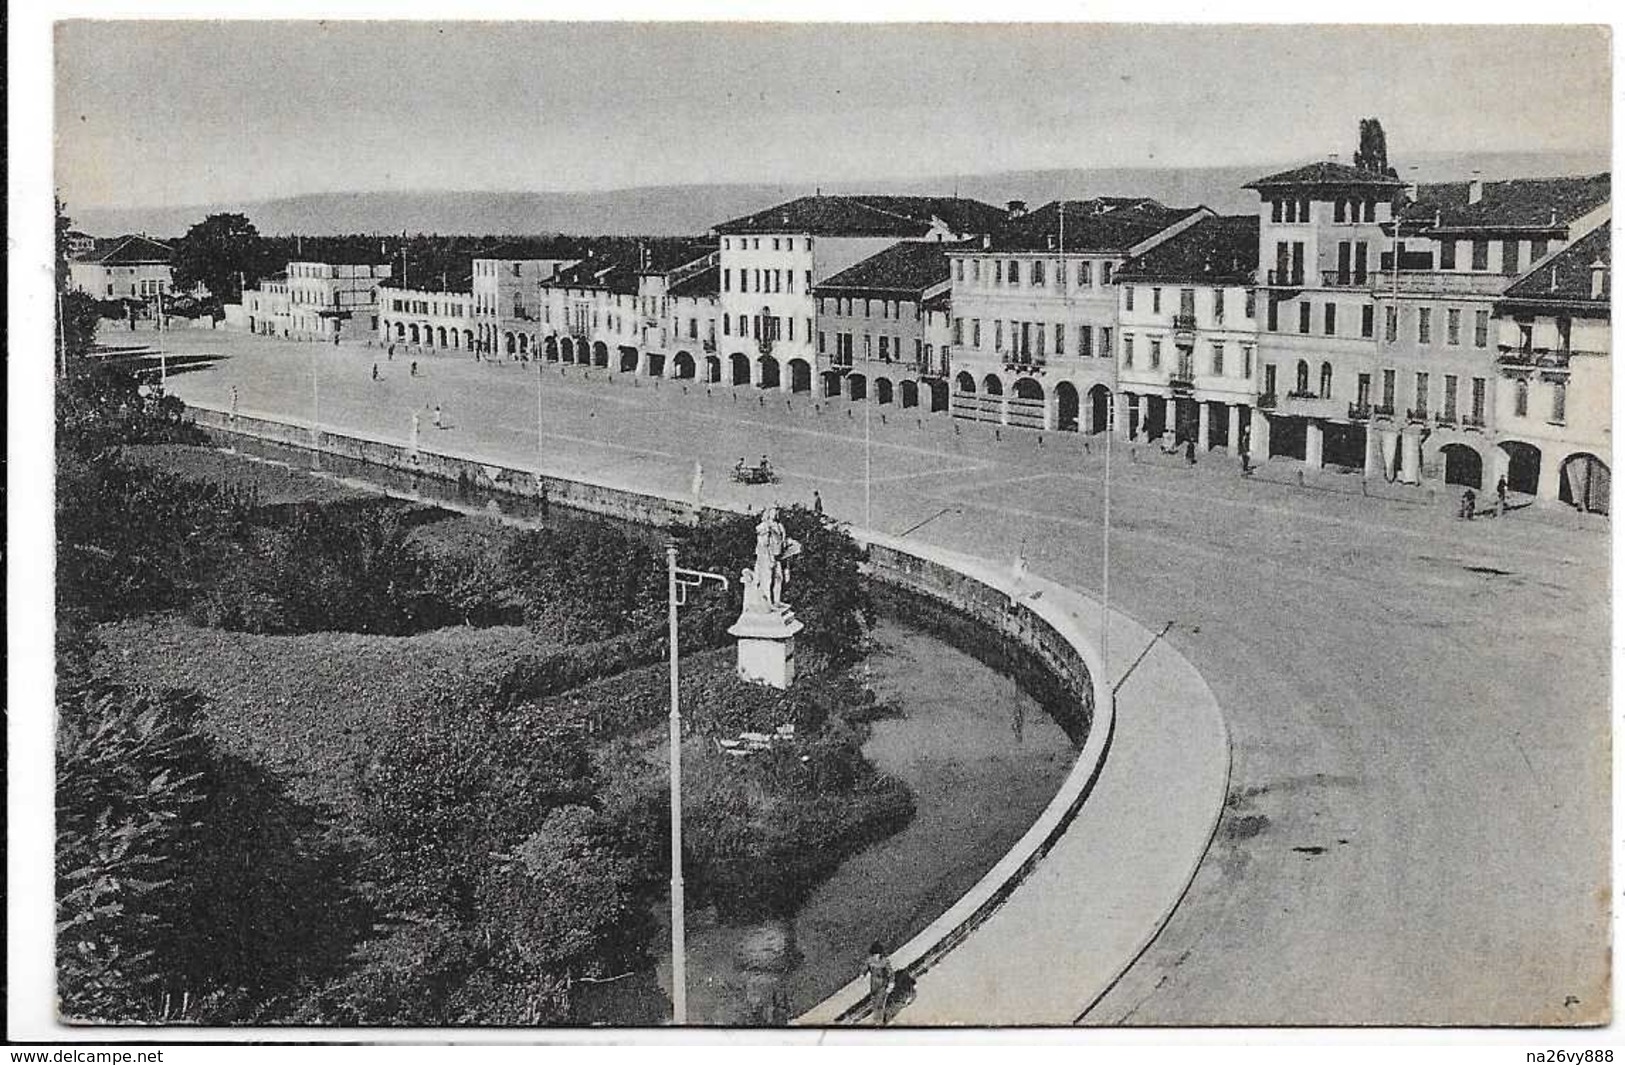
pixel 1106 887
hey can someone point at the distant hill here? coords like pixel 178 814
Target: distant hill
pixel 685 209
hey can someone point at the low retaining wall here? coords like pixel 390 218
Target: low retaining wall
pixel 1000 601
pixel 578 494
pixel 1013 611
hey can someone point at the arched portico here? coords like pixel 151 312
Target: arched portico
pixel 682 366
pixel 1066 407
pixel 1583 482
pixel 600 354
pixel 832 383
pixel 767 372
pixel 739 369
pixel 857 386
pixel 713 370
pixel 939 395
pixel 628 362
pixel 800 375
pixel 1463 466
pixel 1521 464
pixel 883 390
pixel 910 393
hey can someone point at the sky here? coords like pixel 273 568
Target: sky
pixel 164 114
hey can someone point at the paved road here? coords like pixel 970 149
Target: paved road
pixel 1417 826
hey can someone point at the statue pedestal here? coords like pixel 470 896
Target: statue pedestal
pixel 767 646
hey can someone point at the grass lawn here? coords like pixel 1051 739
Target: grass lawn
pixel 311 706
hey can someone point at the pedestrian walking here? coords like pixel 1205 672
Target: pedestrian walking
pixel 1501 496
pixel 1246 465
pixel 818 503
pixel 375 371
pixel 877 966
pixel 437 422
pixel 414 367
pixel 392 353
pixel 1469 501
pixel 1190 451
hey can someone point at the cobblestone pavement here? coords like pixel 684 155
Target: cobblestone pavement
pixel 1417 824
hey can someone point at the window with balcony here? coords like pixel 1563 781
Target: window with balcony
pixel 1330 322
pixel 1274 319
pixel 1362 391
pixel 1391 324
pixel 1086 336
pixel 1424 325
pixel 1060 339
pixel 1247 361
pixel 1520 399
pixel 1449 397
pixel 998 334
pixel 1105 342
pixel 1422 393
pixel 1218 360
pixel 1367 321
pixel 1156 354
pixel 1481 329
pixel 1325 380
pixel 1388 390
pixel 1128 350
pixel 1037 271
pixel 1269 379
pixel 1478 401
pixel 1345 259
pixel 1013 272
pixel 1301 381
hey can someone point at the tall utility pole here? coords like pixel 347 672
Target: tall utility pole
pixel 678 581
pixel 868 402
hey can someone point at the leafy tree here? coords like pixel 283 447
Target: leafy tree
pixel 215 251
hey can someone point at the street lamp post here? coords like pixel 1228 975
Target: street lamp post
pixel 678 581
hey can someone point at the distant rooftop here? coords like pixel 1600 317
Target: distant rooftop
pixel 1103 224
pixel 132 250
pixel 1325 173
pixel 1566 276
pixel 907 269
pixel 1214 251
pixel 1521 203
pixel 902 217
pixel 702 284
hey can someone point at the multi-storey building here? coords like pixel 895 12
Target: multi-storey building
pixel 507 301
pixel 1553 411
pixel 1034 310
pixel 1320 241
pixel 266 309
pixel 136 267
pixel 432 320
pixel 330 300
pixel 1187 363
pixel 652 309
pixel 1460 246
pixel 884 320
pixel 771 261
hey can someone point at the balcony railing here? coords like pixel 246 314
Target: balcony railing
pixel 1016 361
pixel 1266 401
pixel 709 346
pixel 1383 410
pixel 1443 282
pixel 1359 412
pixel 1346 279
pixel 1181 382
pixel 1416 415
pixel 1532 356
pixel 1472 422
pixel 1445 418
pixel 1303 393
pixel 1184 323
pixel 1286 278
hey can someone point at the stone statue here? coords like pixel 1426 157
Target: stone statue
pixel 773 548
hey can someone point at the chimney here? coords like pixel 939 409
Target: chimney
pixel 1475 189
pixel 987 241
pixel 1599 277
pixel 1049 241
pixel 1015 209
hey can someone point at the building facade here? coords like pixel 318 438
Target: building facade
pixel 507 302
pixel 1187 368
pixel 771 262
pixel 881 328
pixel 137 268
pixel 328 301
pixel 1035 311
pixel 651 310
pixel 1554 415
pixel 430 320
pixel 1322 396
